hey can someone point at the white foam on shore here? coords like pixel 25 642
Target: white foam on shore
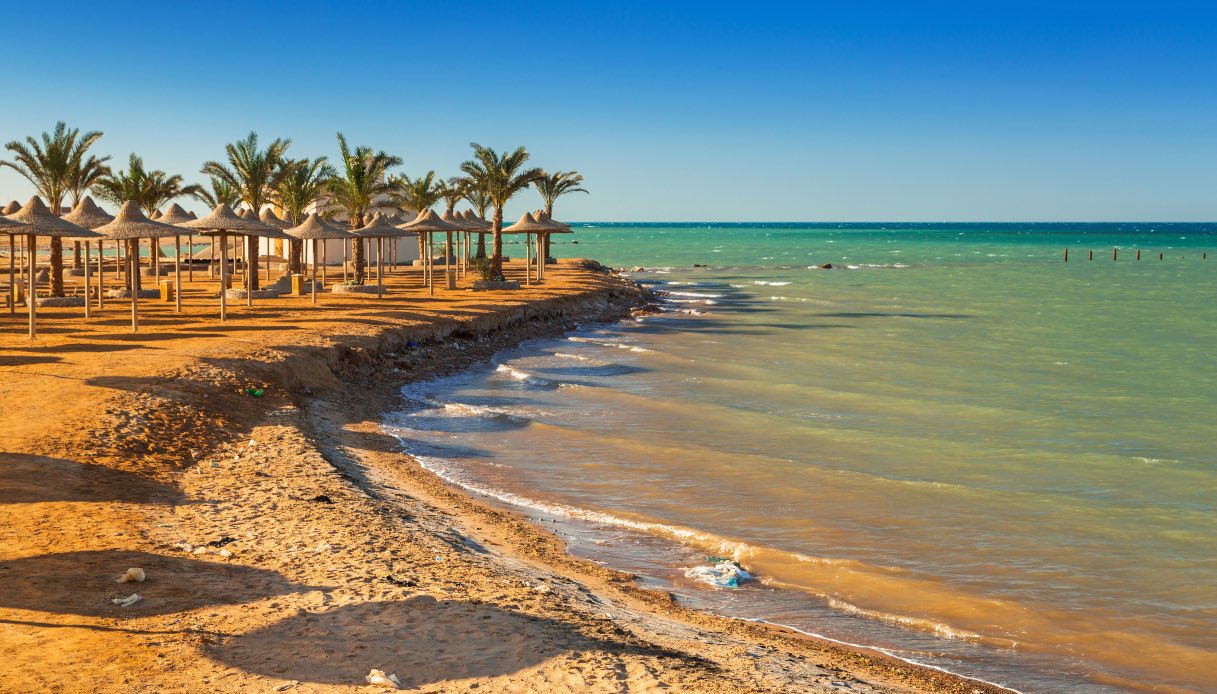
pixel 766 283
pixel 697 295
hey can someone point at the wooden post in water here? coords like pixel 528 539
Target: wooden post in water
pixel 1091 255
pixel 1138 254
pixel 1115 254
pixel 1159 256
pixel 1066 255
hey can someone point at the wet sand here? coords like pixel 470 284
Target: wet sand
pixel 289 545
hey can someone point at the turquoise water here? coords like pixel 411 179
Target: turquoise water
pixel 953 446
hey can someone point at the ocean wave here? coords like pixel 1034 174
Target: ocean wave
pixel 608 343
pixel 766 283
pixel 530 379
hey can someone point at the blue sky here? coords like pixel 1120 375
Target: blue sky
pixel 672 111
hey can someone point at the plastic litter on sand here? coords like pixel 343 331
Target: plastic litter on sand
pixel 379 678
pixel 133 574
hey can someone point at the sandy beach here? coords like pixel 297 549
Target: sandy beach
pixel 288 544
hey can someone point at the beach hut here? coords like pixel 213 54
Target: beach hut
pixel 88 215
pixel 316 229
pixel 379 229
pixel 223 222
pixel 177 216
pixel 528 225
pixel 40 221
pixel 428 223
pixel 131 225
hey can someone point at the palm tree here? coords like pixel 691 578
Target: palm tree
pixel 416 194
pixel 53 165
pixel 481 202
pixel 500 176
pixel 356 188
pixel 254 173
pixel 82 178
pixel 452 191
pixel 551 187
pixel 147 189
pixel 221 193
pixel 303 185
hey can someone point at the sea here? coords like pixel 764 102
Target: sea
pixel 952 446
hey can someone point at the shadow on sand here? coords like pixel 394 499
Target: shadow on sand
pixel 422 640
pixel 30 479
pixel 82 583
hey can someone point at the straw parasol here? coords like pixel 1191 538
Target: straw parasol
pixel 131 225
pixel 380 229
pixel 11 207
pixel 315 229
pixel 40 221
pixel 221 222
pixel 463 227
pixel 427 222
pixel 528 225
pixel 13 229
pixel 175 215
pixel 543 248
pixel 88 215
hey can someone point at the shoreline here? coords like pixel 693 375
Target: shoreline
pixel 217 465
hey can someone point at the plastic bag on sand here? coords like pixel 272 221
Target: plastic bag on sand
pixel 721 574
pixel 378 677
pixel 133 574
pixel 127 601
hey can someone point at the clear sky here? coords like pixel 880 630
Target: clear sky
pixel 847 110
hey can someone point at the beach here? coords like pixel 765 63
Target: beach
pixel 287 542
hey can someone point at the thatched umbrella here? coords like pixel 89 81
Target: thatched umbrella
pixel 88 215
pixel 177 216
pixel 13 229
pixel 131 225
pixel 221 222
pixel 40 221
pixel 463 227
pixel 543 248
pixel 269 218
pixel 475 220
pixel 427 222
pixel 316 229
pixel 379 228
pixel 11 207
pixel 528 225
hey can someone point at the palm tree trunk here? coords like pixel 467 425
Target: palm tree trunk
pixel 251 246
pixel 357 249
pixel 297 255
pixel 481 246
pixel 56 266
pixel 549 212
pixel 76 255
pixel 496 259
